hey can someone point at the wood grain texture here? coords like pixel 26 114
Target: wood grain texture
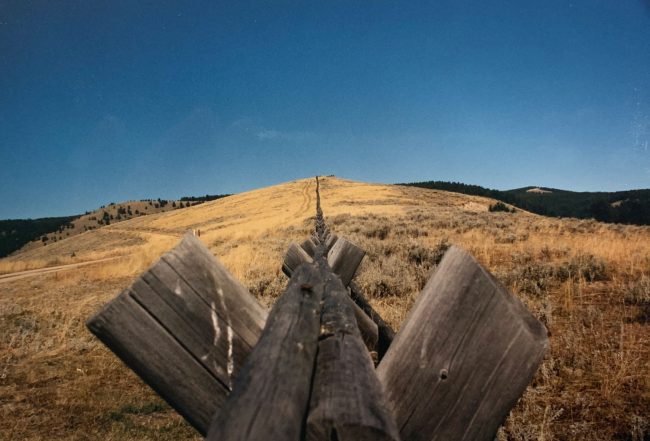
pixel 293 258
pixel 344 259
pixel 144 345
pixel 195 325
pixel 270 398
pixel 198 315
pixel 463 357
pixel 346 403
pixel 207 276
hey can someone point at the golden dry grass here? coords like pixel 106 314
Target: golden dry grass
pixel 588 282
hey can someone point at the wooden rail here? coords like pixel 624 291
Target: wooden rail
pixel 306 370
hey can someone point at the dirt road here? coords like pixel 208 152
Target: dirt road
pixel 35 272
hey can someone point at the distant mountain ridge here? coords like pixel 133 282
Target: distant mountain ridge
pixel 625 207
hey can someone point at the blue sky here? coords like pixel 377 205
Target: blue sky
pixel 109 101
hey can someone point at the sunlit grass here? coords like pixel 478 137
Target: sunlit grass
pixel 585 280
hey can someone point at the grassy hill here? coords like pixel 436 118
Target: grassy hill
pixel 27 234
pixel 589 282
pixel 625 207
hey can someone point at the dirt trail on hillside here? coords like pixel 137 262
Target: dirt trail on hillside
pixel 306 198
pixel 10 277
pixel 148 230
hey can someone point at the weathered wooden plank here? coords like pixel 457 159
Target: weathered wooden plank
pixel 309 245
pixel 294 257
pixel 271 393
pixel 385 333
pixel 331 240
pixel 347 402
pixel 205 318
pixel 463 357
pixel 201 328
pixel 208 277
pixel 147 348
pixel 344 259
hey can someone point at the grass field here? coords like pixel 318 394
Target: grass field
pixel 588 282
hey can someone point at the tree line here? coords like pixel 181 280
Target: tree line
pixel 624 207
pixel 14 233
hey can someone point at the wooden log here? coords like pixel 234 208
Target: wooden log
pixel 294 257
pixel 367 327
pixel 185 327
pixel 378 337
pixel 347 402
pixel 344 259
pixel 463 357
pixel 385 333
pixel 271 394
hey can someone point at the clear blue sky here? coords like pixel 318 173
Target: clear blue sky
pixel 105 101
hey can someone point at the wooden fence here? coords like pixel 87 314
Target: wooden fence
pixel 322 364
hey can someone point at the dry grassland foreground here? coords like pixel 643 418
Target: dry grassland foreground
pixel 588 282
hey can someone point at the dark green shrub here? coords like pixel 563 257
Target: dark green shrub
pixel 500 206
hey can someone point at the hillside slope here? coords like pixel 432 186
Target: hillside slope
pixel 625 207
pixel 588 282
pixel 15 233
pixel 110 214
pixel 19 235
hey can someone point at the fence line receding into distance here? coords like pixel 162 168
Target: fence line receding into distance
pixel 322 364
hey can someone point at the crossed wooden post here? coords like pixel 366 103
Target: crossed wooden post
pixel 305 371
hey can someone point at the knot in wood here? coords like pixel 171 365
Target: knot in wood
pixel 325 332
pixel 444 374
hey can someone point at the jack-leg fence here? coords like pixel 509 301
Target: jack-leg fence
pixel 323 364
